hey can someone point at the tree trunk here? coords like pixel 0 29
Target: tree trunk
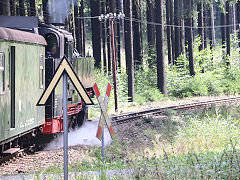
pixel 161 75
pixel 228 31
pixel 108 38
pixel 189 34
pixel 200 24
pixel 238 21
pixel 182 31
pixel 112 6
pixel 6 8
pixel 82 29
pixel 22 7
pixel 233 18
pixel 118 38
pixel 177 28
pixel 45 11
pixel 103 11
pixel 28 7
pixel 168 32
pixel 223 29
pixel 129 49
pixel 122 23
pixel 77 26
pixel 172 30
pixel 137 35
pixel 1 7
pixel 205 24
pixel 32 8
pixel 13 7
pixel 212 29
pixel 151 32
pixel 17 9
pixel 95 24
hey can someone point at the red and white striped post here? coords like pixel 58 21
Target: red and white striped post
pixel 104 116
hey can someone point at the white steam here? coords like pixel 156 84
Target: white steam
pixel 86 135
pixel 59 10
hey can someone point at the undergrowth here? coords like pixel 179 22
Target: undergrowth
pixel 201 144
pixel 198 145
pixel 212 77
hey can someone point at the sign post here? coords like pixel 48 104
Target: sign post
pixel 65 126
pixel 65 69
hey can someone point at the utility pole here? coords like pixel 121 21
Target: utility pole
pixel 111 18
pixel 112 36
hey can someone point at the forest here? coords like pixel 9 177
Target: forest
pixel 154 53
pixel 156 48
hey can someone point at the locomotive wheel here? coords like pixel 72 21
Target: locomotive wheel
pixel 73 122
pixel 81 117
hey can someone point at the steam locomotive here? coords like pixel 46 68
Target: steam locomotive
pixel 30 52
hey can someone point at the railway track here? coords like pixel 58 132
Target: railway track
pixel 124 118
pixel 128 117
pixel 21 153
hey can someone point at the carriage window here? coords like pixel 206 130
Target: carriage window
pixel 41 72
pixel 2 73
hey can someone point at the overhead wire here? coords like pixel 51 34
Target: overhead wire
pixel 142 21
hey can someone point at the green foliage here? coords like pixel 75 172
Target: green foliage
pixel 212 77
pixel 146 86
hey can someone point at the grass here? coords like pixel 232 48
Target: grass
pixel 196 145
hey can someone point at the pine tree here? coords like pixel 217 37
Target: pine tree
pixel 188 5
pixel 13 7
pixel 200 24
pixel 129 49
pixel 22 7
pixel 228 31
pixel 177 29
pixel 161 74
pixel 169 42
pixel 95 24
pixel 32 8
pixel 137 34
pixel 150 32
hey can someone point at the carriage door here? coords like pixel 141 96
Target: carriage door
pixel 12 85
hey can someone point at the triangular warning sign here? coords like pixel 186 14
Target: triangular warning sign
pixel 65 67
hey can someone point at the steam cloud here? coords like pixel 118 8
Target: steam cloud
pixel 58 10
pixel 86 135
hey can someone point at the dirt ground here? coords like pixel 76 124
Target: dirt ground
pixel 135 135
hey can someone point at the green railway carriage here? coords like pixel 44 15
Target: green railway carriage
pixel 22 64
pixel 28 62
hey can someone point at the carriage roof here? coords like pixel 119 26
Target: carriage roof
pixel 21 36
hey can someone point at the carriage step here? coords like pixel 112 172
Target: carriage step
pixel 11 151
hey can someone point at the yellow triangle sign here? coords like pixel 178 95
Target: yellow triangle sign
pixel 65 67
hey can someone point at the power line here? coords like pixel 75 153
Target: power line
pixel 119 16
pixel 159 24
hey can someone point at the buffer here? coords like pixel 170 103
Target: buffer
pixel 65 67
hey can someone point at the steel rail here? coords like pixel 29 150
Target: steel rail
pixel 124 118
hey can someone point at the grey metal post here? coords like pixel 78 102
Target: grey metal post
pixel 103 150
pixel 65 126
